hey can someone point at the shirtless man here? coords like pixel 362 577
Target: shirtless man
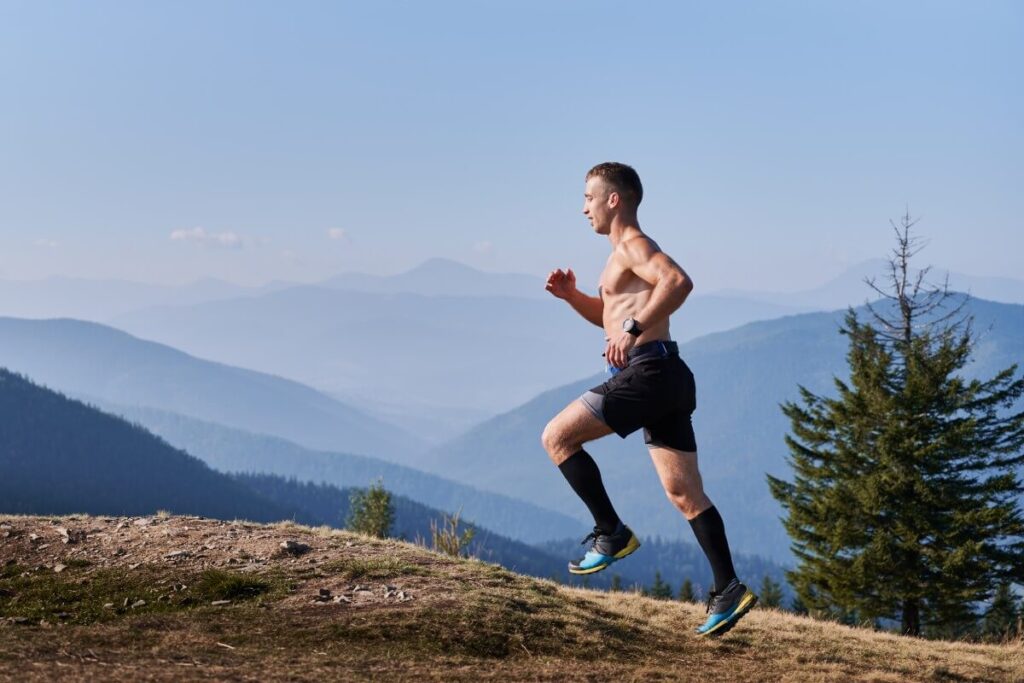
pixel 650 388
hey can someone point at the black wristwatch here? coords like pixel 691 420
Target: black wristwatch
pixel 630 325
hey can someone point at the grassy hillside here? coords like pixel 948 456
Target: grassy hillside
pixel 187 598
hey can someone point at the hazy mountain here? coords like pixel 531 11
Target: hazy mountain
pixel 742 377
pixel 59 456
pixel 232 450
pixel 849 289
pixel 442 277
pixel 98 300
pixel 455 354
pixel 88 358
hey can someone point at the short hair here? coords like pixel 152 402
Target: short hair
pixel 623 178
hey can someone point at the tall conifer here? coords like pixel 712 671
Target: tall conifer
pixel 903 503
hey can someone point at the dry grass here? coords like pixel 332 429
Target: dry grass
pixel 457 619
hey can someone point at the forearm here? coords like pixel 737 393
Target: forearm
pixel 668 295
pixel 590 307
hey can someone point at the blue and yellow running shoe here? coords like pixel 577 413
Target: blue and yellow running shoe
pixel 726 608
pixel 607 548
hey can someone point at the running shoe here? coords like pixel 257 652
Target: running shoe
pixel 726 608
pixel 605 549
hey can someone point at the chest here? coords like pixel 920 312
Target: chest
pixel 616 281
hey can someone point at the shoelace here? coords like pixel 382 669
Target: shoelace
pixel 591 536
pixel 712 597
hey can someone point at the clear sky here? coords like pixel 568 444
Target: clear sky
pixel 250 141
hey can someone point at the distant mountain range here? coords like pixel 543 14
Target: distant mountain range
pixel 849 289
pixel 743 375
pixel 233 450
pixel 61 456
pixel 87 358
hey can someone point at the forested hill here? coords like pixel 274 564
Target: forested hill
pixel 60 456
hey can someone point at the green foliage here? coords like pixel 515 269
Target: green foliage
pixel 659 589
pixel 1002 620
pixel 686 593
pixel 447 538
pixel 904 498
pixel 370 511
pixel 770 594
pixel 616 584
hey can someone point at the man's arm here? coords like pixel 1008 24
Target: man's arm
pixel 563 285
pixel 671 283
pixel 590 307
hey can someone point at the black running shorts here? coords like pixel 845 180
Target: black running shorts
pixel 658 394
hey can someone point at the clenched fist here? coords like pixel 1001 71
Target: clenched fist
pixel 561 284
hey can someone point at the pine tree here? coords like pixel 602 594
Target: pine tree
pixel 686 593
pixel 1002 616
pixel 370 511
pixel 616 583
pixel 903 503
pixel 771 593
pixel 659 589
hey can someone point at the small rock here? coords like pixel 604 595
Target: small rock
pixel 44 546
pixel 178 587
pixel 144 521
pixel 325 593
pixel 341 598
pixel 58 568
pixel 359 588
pixel 403 596
pixel 108 605
pixel 177 555
pixel 390 588
pixel 18 620
pixel 127 601
pixel 138 603
pixel 33 537
pixel 220 602
pixel 63 615
pixel 134 566
pixel 294 548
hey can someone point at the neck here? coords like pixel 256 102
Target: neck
pixel 622 227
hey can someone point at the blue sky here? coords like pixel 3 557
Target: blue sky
pixel 250 141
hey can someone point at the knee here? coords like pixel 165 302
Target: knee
pixel 554 440
pixel 549 438
pixel 687 499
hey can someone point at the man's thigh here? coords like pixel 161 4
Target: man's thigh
pixel 573 427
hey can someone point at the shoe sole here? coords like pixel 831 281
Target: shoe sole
pixel 630 548
pixel 746 603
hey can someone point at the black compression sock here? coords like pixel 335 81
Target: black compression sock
pixel 584 477
pixel 710 532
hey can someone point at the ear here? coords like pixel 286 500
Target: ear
pixel 613 199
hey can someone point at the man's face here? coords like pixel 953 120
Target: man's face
pixel 599 202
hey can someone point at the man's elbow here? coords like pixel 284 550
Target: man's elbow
pixel 682 284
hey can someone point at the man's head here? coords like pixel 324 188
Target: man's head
pixel 612 189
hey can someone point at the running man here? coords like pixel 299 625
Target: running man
pixel 650 387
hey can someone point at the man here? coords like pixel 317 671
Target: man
pixel 650 387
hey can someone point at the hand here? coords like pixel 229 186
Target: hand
pixel 561 284
pixel 616 350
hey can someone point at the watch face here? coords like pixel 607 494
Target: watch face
pixel 627 324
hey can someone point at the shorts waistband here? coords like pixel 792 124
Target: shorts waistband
pixel 659 349
pixel 644 352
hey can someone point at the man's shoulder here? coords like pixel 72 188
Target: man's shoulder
pixel 638 247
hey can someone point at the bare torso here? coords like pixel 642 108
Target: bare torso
pixel 624 296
